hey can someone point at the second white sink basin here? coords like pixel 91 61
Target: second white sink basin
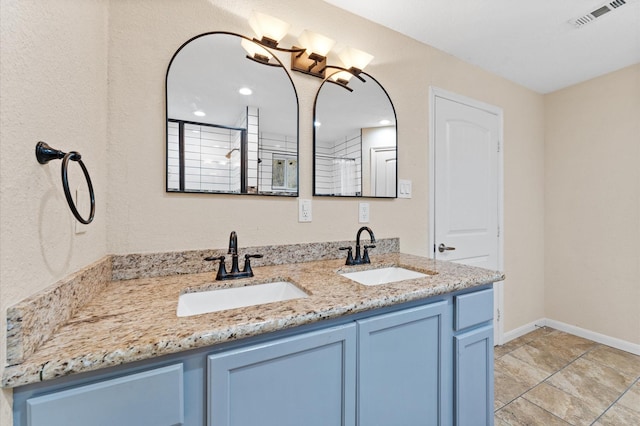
pixel 383 275
pixel 229 298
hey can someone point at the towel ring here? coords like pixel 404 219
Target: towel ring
pixel 44 154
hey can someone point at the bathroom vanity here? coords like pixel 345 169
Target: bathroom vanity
pixel 417 351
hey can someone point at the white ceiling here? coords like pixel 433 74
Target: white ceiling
pixel 528 42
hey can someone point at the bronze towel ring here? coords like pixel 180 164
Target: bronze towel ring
pixel 44 154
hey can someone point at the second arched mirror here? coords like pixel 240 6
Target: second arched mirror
pixel 355 140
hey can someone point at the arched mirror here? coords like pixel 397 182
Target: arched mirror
pixel 355 140
pixel 232 121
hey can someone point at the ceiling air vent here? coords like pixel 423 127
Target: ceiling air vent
pixel 598 12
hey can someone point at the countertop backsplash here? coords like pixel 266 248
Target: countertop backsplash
pixel 33 320
pixel 132 266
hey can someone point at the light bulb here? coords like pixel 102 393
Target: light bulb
pixel 267 26
pixel 316 43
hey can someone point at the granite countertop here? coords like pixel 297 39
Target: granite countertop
pixel 135 319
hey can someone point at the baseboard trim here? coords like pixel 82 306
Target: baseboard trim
pixel 576 331
pixel 521 331
pixel 596 337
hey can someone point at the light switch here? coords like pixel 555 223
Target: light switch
pixel 304 210
pixel 404 188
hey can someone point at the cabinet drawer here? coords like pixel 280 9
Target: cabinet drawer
pixel 473 308
pixel 151 398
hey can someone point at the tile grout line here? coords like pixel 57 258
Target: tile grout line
pixel 617 399
pixel 520 395
pixel 564 391
pixel 547 378
pixel 544 409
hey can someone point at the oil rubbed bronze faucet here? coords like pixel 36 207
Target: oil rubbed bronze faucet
pixel 235 270
pixel 359 260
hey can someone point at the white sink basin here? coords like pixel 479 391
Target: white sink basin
pixel 383 275
pixel 229 298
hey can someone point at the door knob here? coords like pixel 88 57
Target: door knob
pixel 442 248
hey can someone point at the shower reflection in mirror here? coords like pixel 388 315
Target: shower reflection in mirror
pixel 230 159
pixel 355 140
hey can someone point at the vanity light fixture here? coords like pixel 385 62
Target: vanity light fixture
pixel 269 30
pixel 311 58
pixel 355 60
pixel 256 53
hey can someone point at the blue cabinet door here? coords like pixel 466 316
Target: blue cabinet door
pixel 150 398
pixel 402 362
pixel 474 377
pixel 302 380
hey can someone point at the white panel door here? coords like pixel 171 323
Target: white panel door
pixel 467 187
pixel 383 172
pixel 466 184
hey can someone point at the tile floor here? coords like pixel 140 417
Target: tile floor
pixel 548 377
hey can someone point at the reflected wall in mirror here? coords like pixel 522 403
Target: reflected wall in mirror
pixel 232 122
pixel 355 140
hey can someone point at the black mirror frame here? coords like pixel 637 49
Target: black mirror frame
pixel 327 80
pixel 166 122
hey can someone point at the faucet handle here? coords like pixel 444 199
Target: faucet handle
pixel 247 263
pixel 365 256
pixel 222 269
pixel 349 255
pixel 214 258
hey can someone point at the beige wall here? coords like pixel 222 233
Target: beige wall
pixel 592 205
pixel 62 52
pixel 143 218
pixel 53 87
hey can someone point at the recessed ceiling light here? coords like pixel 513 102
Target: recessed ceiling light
pixel 317 123
pixel 245 91
pixel 385 122
pixel 199 113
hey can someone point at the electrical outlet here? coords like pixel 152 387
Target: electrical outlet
pixel 363 213
pixel 304 210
